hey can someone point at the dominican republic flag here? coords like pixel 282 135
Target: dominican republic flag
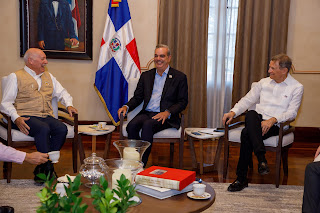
pixel 75 15
pixel 118 60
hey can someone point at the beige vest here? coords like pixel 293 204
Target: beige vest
pixel 29 100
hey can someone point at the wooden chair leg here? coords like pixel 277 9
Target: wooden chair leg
pixel 8 172
pixel 181 146
pixel 81 149
pixel 171 154
pixel 278 164
pixel 75 153
pixel 284 156
pixel 225 159
pixel 251 162
pixel 106 147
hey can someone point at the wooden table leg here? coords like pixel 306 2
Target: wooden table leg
pixel 81 150
pixel 94 139
pixel 192 152
pixel 106 147
pixel 201 156
pixel 218 152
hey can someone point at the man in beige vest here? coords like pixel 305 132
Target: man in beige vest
pixel 27 99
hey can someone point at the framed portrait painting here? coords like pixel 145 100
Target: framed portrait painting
pixel 61 28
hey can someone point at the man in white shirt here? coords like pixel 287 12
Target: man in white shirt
pixel 27 100
pixel 279 98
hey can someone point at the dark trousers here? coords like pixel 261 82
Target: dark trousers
pixel 311 194
pixel 49 133
pixel 148 126
pixel 252 141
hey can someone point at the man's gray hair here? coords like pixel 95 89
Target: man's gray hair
pixel 284 61
pixel 164 46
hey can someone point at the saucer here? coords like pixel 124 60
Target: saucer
pixel 205 196
pixel 64 179
pixel 95 127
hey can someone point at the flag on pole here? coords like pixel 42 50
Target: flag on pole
pixel 118 60
pixel 75 15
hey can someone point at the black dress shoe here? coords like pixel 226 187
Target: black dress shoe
pixel 263 168
pixel 45 168
pixel 6 209
pixel 237 185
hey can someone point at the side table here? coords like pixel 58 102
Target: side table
pixel 203 136
pixel 87 130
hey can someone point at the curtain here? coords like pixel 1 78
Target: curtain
pixel 221 45
pixel 261 33
pixel 183 26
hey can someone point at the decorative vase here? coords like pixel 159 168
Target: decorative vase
pixel 131 149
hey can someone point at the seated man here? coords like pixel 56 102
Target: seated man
pixel 9 154
pixel 27 99
pixel 280 98
pixel 311 194
pixel 164 91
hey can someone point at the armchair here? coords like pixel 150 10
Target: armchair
pixel 15 138
pixel 170 135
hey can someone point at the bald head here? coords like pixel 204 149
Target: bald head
pixel 36 60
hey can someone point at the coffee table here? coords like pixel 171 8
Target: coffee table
pixel 87 130
pixel 204 136
pixel 178 203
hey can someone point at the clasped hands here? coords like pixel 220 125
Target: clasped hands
pixel 161 116
pixel 265 125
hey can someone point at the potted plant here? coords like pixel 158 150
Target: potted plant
pixel 104 199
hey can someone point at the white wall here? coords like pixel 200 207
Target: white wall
pixel 78 76
pixel 75 75
pixel 304 48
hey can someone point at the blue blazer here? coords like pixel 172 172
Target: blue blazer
pixel 53 30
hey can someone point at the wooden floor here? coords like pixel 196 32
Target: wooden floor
pixel 300 155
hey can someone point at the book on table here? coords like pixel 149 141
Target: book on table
pixel 165 177
pixel 161 193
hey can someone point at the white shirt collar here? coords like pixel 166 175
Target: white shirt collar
pixel 31 72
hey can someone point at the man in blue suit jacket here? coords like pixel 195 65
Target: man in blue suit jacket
pixel 164 91
pixel 55 24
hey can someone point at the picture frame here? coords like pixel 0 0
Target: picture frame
pixel 38 28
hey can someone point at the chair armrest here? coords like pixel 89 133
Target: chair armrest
pixel 121 125
pixel 7 117
pixel 286 131
pixel 65 117
pixel 7 126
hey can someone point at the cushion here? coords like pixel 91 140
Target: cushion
pixel 19 136
pixel 167 133
pixel 234 136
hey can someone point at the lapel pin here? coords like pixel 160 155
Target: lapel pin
pixel 170 76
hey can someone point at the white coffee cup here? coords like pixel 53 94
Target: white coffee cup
pixel 54 156
pixel 199 189
pixel 60 189
pixel 102 125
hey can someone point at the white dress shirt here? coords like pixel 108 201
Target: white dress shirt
pixel 279 100
pixel 10 93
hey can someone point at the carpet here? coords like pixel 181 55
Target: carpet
pixel 257 198
pixel 21 194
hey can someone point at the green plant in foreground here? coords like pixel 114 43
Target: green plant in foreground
pixel 51 202
pixel 105 199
